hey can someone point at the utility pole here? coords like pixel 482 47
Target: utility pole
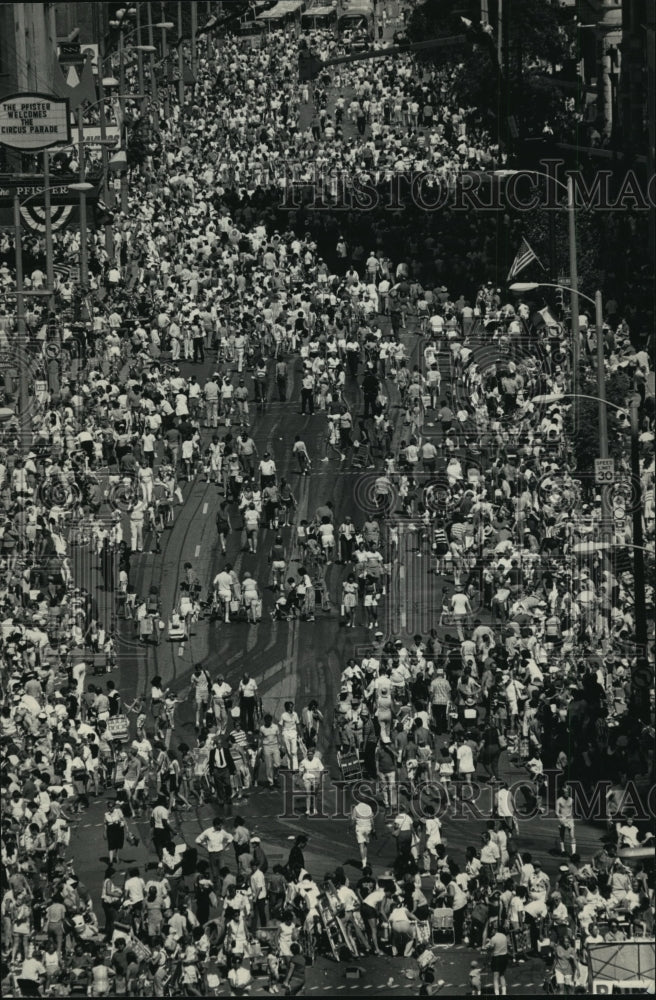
pixel 84 254
pixel 165 63
pixel 153 77
pixel 194 32
pixel 23 374
pixel 50 253
pixel 181 85
pixel 606 513
pixel 574 287
pixel 108 192
pixel 121 103
pixel 642 674
pixel 140 69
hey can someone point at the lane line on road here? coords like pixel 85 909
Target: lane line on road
pixel 197 552
pixel 402 584
pixel 206 507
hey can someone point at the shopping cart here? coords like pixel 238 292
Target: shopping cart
pixel 177 630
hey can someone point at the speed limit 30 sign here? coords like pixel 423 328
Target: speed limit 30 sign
pixel 604 471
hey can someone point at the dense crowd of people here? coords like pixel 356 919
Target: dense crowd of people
pixel 528 650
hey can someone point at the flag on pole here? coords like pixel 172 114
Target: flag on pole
pixel 524 257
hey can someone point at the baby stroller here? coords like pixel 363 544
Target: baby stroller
pixel 151 622
pixel 177 631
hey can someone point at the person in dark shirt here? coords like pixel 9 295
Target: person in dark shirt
pixel 367 883
pixel 295 978
pixel 296 859
pixel 370 386
pixel 120 964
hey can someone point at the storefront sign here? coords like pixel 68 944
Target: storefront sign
pixel 34 121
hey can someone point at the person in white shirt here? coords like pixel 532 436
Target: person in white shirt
pixel 628 835
pixel 259 892
pixel 565 817
pixel 289 723
pixel 351 903
pixel 220 691
pixel 433 831
pixel 465 758
pixel 593 936
pixel 215 839
pixel 462 610
pixel 506 808
pixel 239 977
pixel 247 699
pixel 311 770
pixel 267 469
pixel 134 891
pixel 363 821
pixel 160 823
pixel 224 586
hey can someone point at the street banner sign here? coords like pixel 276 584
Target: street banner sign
pixel 93 135
pixel 30 188
pixel 604 471
pixel 33 121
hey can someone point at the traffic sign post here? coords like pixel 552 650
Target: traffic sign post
pixel 604 471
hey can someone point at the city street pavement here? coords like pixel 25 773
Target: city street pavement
pixel 299 661
pixel 386 976
pixel 296 660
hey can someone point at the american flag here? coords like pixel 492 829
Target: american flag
pixel 62 271
pixel 523 258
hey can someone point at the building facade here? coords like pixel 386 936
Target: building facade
pixel 28 39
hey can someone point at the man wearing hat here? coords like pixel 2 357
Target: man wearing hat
pixel 258 854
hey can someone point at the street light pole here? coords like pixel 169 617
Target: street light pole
pixel 153 77
pixel 140 69
pixel 165 63
pixel 574 283
pixel 606 513
pixel 641 676
pixel 20 318
pixel 84 253
pixel 181 85
pixel 50 253
pixel 107 188
pixel 121 102
pixel 194 32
